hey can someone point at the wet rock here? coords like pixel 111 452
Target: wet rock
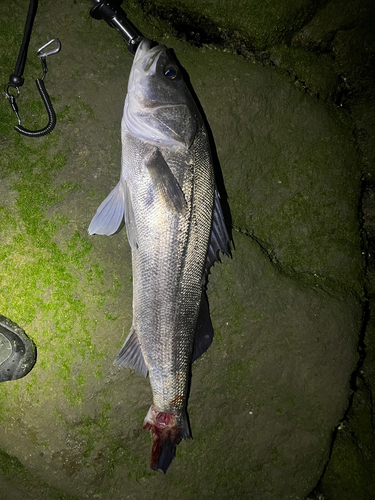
pixel 287 310
pixel 258 24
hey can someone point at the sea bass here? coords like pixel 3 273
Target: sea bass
pixel 175 227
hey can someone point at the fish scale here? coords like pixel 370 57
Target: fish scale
pixel 178 276
pixel 175 227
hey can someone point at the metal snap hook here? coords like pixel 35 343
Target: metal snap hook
pixel 50 52
pixel 12 99
pixel 43 55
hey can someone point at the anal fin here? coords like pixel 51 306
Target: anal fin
pixel 130 355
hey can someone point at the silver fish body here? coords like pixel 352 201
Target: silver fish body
pixel 175 227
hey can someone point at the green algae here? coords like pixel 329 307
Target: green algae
pixel 298 191
pixel 351 471
pixel 313 73
pixel 233 24
pixel 75 111
pixel 94 429
pixel 100 449
pixel 33 485
pixel 39 280
pixel 95 273
pixel 78 248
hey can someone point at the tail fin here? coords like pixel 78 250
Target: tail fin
pixel 167 431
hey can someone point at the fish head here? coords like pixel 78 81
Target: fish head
pixel 159 108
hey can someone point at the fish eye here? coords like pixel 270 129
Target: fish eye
pixel 171 73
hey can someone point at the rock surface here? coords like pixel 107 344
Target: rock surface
pixel 287 310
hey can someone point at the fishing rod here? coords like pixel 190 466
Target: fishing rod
pixel 111 12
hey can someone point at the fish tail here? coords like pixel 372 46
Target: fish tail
pixel 167 431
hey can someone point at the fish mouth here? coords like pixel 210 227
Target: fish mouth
pixel 147 56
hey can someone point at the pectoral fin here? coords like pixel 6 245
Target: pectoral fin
pixel 116 207
pixel 166 184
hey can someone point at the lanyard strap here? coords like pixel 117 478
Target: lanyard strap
pixel 16 80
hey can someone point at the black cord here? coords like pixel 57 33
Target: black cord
pixel 16 78
pixel 51 114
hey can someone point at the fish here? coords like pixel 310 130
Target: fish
pixel 168 198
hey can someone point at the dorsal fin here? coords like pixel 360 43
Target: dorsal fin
pixel 219 238
pixel 204 333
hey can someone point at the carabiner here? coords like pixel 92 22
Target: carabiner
pixel 50 52
pixel 43 55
